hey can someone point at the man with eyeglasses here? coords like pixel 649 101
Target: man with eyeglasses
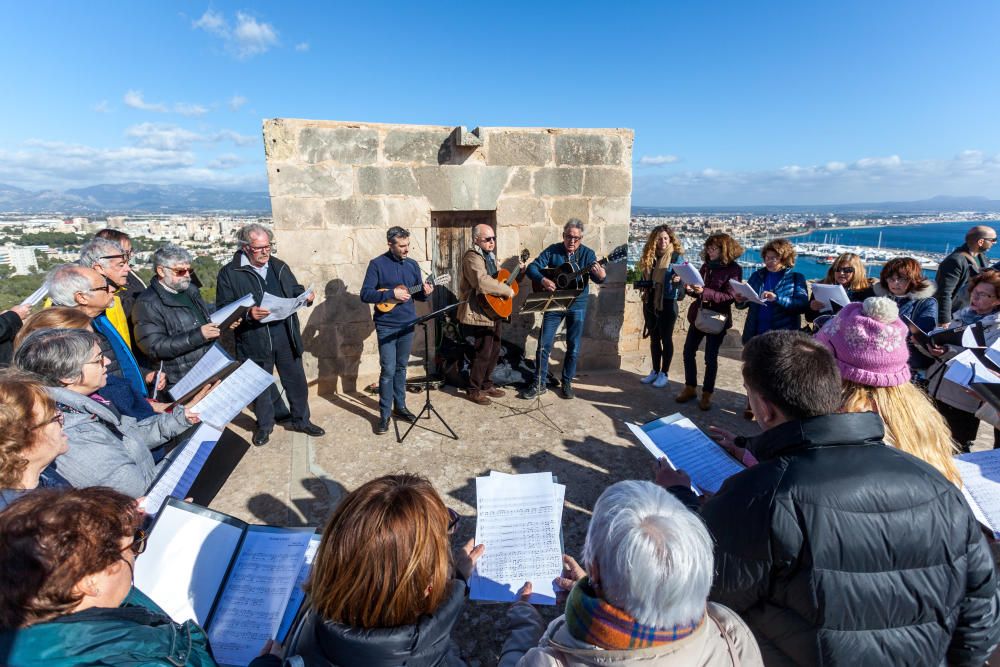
pixel 172 322
pixel 579 256
pixel 959 267
pixel 111 261
pixel 134 285
pixel 254 270
pixel 479 268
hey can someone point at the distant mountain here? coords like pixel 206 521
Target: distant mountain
pixel 939 204
pixel 132 198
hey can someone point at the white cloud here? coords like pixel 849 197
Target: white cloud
pixel 302 46
pixel 226 161
pixel 867 179
pixel 236 102
pixel 135 99
pixel 102 107
pixel 657 160
pixel 185 109
pixel 246 38
pixel 164 136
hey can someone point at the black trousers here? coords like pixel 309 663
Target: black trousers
pixel 713 343
pixel 269 406
pixel 660 326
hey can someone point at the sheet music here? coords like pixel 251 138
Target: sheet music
pixel 220 316
pixel 688 274
pixel 36 296
pixel 965 368
pixel 214 361
pixel 186 558
pixel 746 292
pixel 519 519
pixel 233 394
pixel 826 294
pixel 179 475
pixel 969 337
pixel 980 473
pixel 687 448
pixel 298 595
pixel 256 593
pixel 282 308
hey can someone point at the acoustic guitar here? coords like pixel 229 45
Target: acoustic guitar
pixel 565 275
pixel 501 307
pixel 440 279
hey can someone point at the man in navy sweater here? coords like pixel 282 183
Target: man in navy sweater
pixel 579 256
pixel 388 280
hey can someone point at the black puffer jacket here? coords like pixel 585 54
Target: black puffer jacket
pixel 253 341
pixel 837 549
pixel 167 331
pixel 320 643
pixel 10 324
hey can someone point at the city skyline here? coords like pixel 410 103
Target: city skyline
pixel 732 105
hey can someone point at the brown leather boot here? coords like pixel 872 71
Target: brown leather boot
pixel 706 400
pixel 686 394
pixel 493 392
pixel 478 397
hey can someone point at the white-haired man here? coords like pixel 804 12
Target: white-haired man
pixel 642 598
pixel 110 260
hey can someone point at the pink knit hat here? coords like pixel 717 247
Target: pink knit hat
pixel 869 342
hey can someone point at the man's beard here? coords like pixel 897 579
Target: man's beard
pixel 180 285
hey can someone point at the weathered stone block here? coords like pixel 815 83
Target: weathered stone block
pixel 297 213
pixel 308 180
pixel 370 244
pixel 345 145
pixel 587 149
pixel 418 146
pixel 535 239
pixel 387 181
pixel 562 210
pixel 315 248
pixel 279 139
pixel 615 235
pixel 355 212
pixel 607 182
pixel 520 211
pixel 608 211
pixel 518 181
pixel 467 139
pixel 461 187
pixel 558 182
pixel 519 148
pixel 411 213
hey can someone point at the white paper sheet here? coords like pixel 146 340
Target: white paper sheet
pixel 233 394
pixel 688 274
pixel 211 363
pixel 256 593
pixel 298 595
pixel 185 561
pixel 826 294
pixel 687 448
pixel 180 474
pixel 969 338
pixel 746 292
pixel 964 368
pixel 980 473
pixel 519 519
pixel 282 308
pixel 220 316
pixel 35 297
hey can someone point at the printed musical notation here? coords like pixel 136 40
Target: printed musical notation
pixel 980 473
pixel 235 393
pixel 178 477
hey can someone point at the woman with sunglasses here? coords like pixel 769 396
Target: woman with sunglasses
pixel 385 588
pixel 31 437
pixel 848 271
pixel 66 594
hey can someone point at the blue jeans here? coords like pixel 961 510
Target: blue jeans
pixel 574 318
pixel 393 355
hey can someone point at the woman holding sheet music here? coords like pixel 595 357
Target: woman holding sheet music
pixel 848 271
pixel 66 574
pixel 957 405
pixel 903 281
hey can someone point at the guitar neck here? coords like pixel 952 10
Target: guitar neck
pixel 580 272
pixel 513 275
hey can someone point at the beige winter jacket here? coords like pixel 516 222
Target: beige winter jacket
pixel 475 281
pixel 723 640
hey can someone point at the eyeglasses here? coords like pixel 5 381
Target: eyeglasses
pixel 992 240
pixel 453 519
pixel 138 542
pixel 488 239
pixel 179 272
pixel 59 418
pixel 260 248
pixel 99 360
pixel 126 257
pixel 844 269
pixel 572 239
pixel 109 286
pixel 897 279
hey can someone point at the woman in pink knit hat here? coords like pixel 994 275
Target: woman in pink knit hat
pixel 868 340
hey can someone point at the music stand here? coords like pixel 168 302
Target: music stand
pixel 428 408
pixel 543 302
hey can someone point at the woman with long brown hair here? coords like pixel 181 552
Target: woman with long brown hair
pixel 384 588
pixel 848 271
pixel 659 300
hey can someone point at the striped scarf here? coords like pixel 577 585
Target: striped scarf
pixel 591 620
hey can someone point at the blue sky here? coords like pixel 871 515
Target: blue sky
pixel 731 102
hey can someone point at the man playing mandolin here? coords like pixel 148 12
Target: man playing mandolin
pixel 479 270
pixel 393 278
pixel 571 251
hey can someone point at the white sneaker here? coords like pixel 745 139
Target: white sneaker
pixel 661 380
pixel 649 378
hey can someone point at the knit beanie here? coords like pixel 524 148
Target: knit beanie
pixel 868 340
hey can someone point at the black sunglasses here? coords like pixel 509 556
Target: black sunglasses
pixel 138 542
pixel 844 269
pixel 453 519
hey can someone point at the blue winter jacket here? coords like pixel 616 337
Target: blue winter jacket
pixel 555 255
pixel 792 299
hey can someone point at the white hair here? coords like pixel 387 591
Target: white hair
pixel 99 251
pixel 246 232
pixel 64 282
pixel 171 255
pixel 653 555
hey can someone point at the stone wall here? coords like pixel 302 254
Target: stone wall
pixel 337 186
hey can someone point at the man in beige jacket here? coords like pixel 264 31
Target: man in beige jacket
pixel 479 266
pixel 644 602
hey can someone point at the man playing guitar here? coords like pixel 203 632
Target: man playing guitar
pixel 479 268
pixel 387 280
pixel 571 251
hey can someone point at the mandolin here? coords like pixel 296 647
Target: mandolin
pixel 501 307
pixel 565 276
pixel 440 279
